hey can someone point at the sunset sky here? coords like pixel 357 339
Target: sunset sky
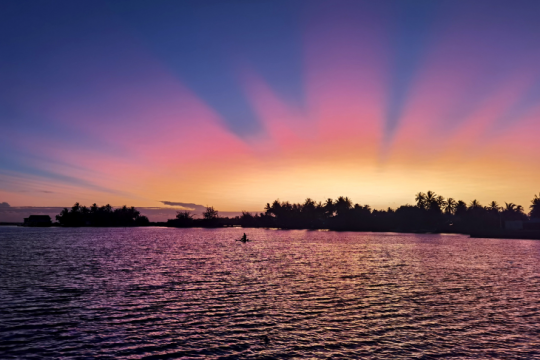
pixel 237 103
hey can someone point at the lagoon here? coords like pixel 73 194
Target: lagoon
pixel 184 293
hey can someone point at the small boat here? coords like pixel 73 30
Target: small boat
pixel 243 239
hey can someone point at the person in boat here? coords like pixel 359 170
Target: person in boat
pixel 244 238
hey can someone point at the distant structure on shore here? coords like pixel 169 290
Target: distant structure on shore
pixel 37 221
pixel 532 224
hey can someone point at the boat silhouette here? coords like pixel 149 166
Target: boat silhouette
pixel 243 239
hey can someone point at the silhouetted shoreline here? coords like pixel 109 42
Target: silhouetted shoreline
pixel 104 216
pixel 431 214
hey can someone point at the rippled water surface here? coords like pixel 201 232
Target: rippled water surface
pixel 173 293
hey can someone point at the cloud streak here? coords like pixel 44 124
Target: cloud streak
pixel 185 206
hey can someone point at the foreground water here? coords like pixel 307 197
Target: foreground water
pixel 172 293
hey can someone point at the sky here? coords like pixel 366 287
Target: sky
pixel 236 103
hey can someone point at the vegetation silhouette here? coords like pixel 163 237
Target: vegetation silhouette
pixel 535 207
pixel 183 219
pixel 186 219
pixel 210 217
pixel 101 216
pixel 431 213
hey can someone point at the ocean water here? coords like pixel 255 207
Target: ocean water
pixel 152 293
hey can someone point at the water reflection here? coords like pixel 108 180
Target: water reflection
pixel 133 293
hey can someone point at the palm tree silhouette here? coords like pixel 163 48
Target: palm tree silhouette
pixel 342 205
pixel 535 207
pixel 510 207
pixel 450 206
pixel 431 196
pixel 329 207
pixel 494 206
pixel 420 200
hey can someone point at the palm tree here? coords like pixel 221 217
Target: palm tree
pixel 535 207
pixel 420 200
pixel 475 204
pixel 514 212
pixel 309 205
pixel 431 197
pixel 438 204
pixel 274 209
pixel 461 207
pixel 432 201
pixel 493 206
pixel 76 207
pixel 94 208
pixel 329 208
pixel 342 205
pixel 510 207
pixel 450 206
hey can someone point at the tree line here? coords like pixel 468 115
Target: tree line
pixel 431 213
pixel 101 216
